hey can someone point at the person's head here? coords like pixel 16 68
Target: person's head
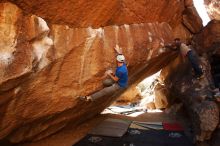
pixel 120 59
pixel 177 42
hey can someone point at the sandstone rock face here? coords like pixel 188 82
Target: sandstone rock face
pixel 208 40
pixel 213 8
pixel 84 13
pixel 9 35
pixel 192 20
pixel 195 95
pixel 44 68
pixel 180 31
pixel 188 3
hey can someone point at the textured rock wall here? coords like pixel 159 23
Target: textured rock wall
pixel 195 94
pixel 96 13
pixel 45 64
pixel 191 19
pixel 191 23
pixel 44 68
pixel 208 40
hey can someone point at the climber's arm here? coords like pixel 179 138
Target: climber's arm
pixel 114 77
pixel 118 49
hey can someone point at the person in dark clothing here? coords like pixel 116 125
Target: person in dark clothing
pixel 188 53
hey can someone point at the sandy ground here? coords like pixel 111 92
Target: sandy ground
pixel 70 135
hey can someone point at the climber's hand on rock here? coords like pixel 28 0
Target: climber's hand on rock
pixel 118 49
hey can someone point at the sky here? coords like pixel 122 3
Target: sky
pixel 200 7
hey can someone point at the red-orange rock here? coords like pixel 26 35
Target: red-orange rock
pixel 188 3
pixel 208 40
pixel 12 35
pixel 180 31
pixel 52 66
pixel 46 65
pixel 85 13
pixel 192 20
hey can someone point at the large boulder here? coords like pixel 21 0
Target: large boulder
pixel 96 13
pixel 180 31
pixel 195 95
pixel 46 65
pixel 192 20
pixel 45 68
pixel 208 40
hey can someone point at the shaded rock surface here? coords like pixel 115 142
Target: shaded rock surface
pixel 215 140
pixel 208 40
pixel 180 31
pixel 192 20
pixel 195 95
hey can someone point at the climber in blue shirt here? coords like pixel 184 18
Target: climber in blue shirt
pixel 121 75
pixel 117 81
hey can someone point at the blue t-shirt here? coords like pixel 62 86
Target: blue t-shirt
pixel 122 73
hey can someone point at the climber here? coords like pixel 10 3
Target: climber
pixel 186 51
pixel 117 81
